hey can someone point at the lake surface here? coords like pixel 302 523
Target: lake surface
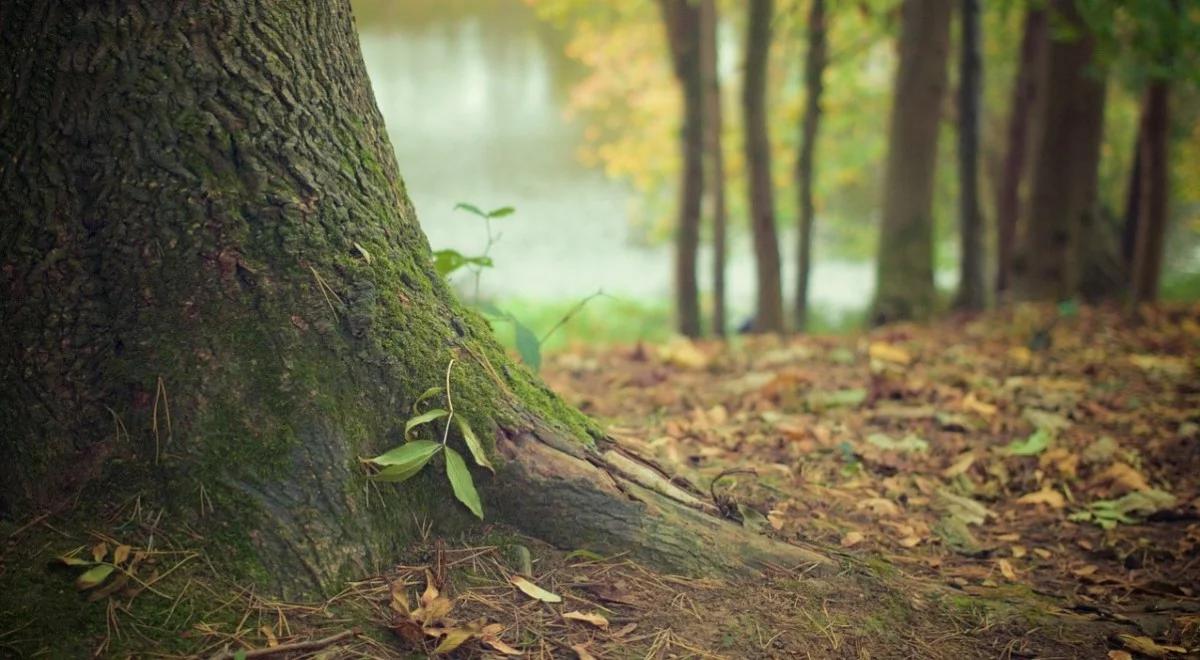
pixel 473 93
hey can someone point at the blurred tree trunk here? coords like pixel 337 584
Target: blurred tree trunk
pixel 1153 193
pixel 1133 201
pixel 971 291
pixel 1063 199
pixel 769 310
pixel 217 297
pixel 682 19
pixel 1026 90
pixel 814 68
pixel 715 157
pixel 904 272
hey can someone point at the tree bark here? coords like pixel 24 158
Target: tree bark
pixel 217 298
pixel 769 309
pixel 971 291
pixel 1133 203
pixel 1064 187
pixel 1025 94
pixel 814 69
pixel 904 286
pixel 1153 194
pixel 682 20
pixel 715 159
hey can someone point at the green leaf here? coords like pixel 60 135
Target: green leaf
pixel 908 443
pixel 427 394
pixel 477 451
pixel 1031 446
pixel 461 482
pixel 500 212
pixel 409 453
pixel 448 261
pixel 423 418
pixel 492 310
pixel 94 576
pixel 528 346
pixel 75 561
pixel 470 208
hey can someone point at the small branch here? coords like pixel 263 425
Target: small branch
pixel 310 645
pixel 567 317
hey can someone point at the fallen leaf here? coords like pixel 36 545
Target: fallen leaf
pixel 99 551
pixel 93 577
pixel 1046 495
pixel 533 591
pixel 121 554
pixel 981 408
pixel 581 651
pixel 852 539
pixel 889 353
pixel 960 465
pixel 1031 446
pixel 1124 477
pixel 1147 646
pixel 879 506
pixel 454 638
pixel 594 619
pixel 1006 569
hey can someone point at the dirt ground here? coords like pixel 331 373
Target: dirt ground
pixel 1024 484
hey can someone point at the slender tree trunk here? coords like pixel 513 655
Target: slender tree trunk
pixel 1133 203
pixel 715 160
pixel 814 69
pixel 1153 195
pixel 769 309
pixel 971 288
pixel 1026 90
pixel 904 286
pixel 1064 186
pixel 216 297
pixel 682 20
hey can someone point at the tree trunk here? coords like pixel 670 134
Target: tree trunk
pixel 1153 196
pixel 814 68
pixel 1133 203
pixel 769 310
pixel 1063 196
pixel 217 298
pixel 715 160
pixel 904 286
pixel 1026 90
pixel 971 292
pixel 682 20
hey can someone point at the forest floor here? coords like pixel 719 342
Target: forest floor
pixel 1021 484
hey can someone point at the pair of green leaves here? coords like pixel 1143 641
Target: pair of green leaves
pixel 448 261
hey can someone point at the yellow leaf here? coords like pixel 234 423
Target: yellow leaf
pixel 1124 477
pixel 852 539
pixel 681 352
pixel 594 619
pixel 1007 570
pixel 269 634
pixel 453 639
pixel 981 408
pixel 431 590
pixel 533 591
pixel 99 551
pixel 889 353
pixel 960 465
pixel 581 651
pixel 880 506
pixel 1018 551
pixel 1046 495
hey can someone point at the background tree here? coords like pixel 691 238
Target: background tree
pixel 1153 181
pixel 714 157
pixel 1063 201
pixel 769 309
pixel 683 23
pixel 814 69
pixel 216 291
pixel 904 272
pixel 1026 90
pixel 971 288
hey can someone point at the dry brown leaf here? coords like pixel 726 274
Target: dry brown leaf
pixel 594 619
pixel 1123 476
pixel 1119 655
pixel 454 638
pixel 879 506
pixel 1046 495
pixel 581 651
pixel 1018 551
pixel 533 591
pixel 121 554
pixel 269 634
pixel 960 465
pixel 1043 553
pixel 852 539
pixel 981 408
pixel 1147 646
pixel 99 551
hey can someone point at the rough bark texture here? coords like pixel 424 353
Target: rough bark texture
pixel 216 298
pixel 814 68
pixel 971 290
pixel 714 175
pixel 769 308
pixel 904 274
pixel 1153 194
pixel 1026 91
pixel 1064 186
pixel 682 20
